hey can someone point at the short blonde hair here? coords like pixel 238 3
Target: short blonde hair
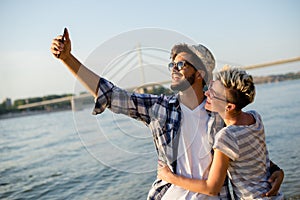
pixel 241 89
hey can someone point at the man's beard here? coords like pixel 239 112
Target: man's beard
pixel 184 84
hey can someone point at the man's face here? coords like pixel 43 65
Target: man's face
pixel 184 78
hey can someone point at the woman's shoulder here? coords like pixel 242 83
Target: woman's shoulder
pixel 255 115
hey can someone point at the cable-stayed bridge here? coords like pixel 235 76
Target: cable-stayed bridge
pixel 134 64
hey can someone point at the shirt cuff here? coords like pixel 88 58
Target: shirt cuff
pixel 103 99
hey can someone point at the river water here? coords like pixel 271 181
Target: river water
pixel 74 155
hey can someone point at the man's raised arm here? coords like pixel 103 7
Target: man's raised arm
pixel 61 49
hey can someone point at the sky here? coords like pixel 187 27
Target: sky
pixel 238 32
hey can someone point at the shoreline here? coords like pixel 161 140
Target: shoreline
pixel 30 113
pixel 257 80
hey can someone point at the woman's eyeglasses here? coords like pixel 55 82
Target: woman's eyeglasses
pixel 212 93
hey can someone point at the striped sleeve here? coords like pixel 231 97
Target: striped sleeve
pixel 227 144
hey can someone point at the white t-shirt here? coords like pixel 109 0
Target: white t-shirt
pixel 194 152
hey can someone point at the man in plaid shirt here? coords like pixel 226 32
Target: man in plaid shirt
pixel 180 125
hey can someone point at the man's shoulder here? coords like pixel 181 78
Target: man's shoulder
pixel 168 100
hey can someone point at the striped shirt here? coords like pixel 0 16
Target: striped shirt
pixel 249 161
pixel 162 114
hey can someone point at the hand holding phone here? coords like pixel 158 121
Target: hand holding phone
pixel 62 40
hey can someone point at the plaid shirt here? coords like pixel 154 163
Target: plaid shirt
pixel 163 116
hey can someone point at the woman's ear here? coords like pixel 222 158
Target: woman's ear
pixel 230 107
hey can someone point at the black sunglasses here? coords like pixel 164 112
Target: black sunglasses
pixel 179 65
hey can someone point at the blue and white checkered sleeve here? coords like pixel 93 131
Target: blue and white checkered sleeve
pixel 104 96
pixel 120 101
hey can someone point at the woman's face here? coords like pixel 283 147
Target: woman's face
pixel 216 100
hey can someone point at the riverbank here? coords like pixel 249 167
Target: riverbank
pixel 276 78
pixel 29 113
pixel 11 112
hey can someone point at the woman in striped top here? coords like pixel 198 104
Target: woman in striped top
pixel 239 148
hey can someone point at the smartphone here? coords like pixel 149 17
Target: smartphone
pixel 62 40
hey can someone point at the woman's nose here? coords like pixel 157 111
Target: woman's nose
pixel 206 93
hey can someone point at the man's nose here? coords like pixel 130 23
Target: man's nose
pixel 175 68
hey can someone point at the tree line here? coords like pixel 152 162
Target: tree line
pixel 6 106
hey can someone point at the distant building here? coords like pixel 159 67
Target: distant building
pixel 7 102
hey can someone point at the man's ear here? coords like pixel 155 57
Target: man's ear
pixel 200 74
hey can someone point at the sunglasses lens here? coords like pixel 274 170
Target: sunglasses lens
pixel 180 65
pixel 171 65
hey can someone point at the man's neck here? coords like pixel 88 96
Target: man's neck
pixel 191 97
